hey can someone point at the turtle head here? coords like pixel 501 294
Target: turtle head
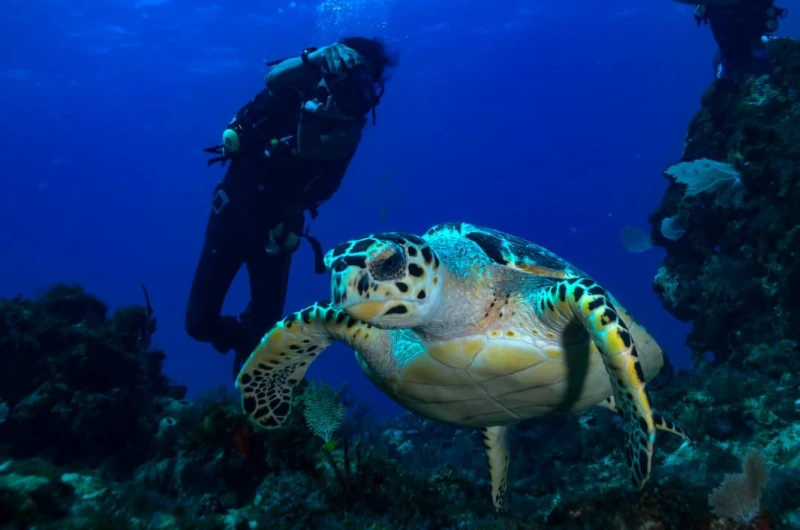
pixel 390 280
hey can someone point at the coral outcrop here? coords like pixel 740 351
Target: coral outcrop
pixel 735 269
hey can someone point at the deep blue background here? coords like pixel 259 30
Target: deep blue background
pixel 550 119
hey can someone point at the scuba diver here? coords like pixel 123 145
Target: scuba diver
pixel 289 149
pixel 741 29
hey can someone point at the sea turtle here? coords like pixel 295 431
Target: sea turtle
pixel 474 327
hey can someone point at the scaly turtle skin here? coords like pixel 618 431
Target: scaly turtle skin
pixel 474 327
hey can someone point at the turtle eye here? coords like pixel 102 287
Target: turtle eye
pixel 390 264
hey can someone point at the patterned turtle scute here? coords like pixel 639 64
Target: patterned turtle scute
pixel 509 250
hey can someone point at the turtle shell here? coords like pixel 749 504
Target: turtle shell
pixel 511 251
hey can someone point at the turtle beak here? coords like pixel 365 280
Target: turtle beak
pixel 351 290
pixel 366 311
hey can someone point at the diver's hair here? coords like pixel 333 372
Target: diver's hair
pixel 376 54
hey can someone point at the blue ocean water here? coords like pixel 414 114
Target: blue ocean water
pixel 552 120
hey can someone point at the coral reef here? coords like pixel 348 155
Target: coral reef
pixel 735 268
pixel 94 436
pixel 200 466
pixel 71 373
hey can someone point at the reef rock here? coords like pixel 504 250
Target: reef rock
pixel 78 384
pixel 733 267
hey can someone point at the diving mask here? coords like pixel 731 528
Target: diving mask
pixel 354 92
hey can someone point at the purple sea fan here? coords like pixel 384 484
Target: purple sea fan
pixel 739 495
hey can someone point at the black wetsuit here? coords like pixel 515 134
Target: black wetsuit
pixel 256 194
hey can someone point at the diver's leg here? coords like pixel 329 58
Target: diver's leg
pixel 269 279
pixel 220 260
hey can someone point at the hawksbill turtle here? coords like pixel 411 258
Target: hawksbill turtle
pixel 474 327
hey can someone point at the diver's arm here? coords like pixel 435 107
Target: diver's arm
pixel 295 73
pixel 291 72
pixel 311 143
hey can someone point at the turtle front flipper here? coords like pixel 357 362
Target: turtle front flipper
pixel 584 300
pixel 495 440
pixel 268 377
pixel 662 421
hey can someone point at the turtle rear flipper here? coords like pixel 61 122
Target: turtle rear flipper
pixel 662 421
pixel 495 441
pixel 276 366
pixel 582 299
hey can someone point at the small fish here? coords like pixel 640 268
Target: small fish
pixel 635 239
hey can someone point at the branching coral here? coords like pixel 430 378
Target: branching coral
pixel 323 410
